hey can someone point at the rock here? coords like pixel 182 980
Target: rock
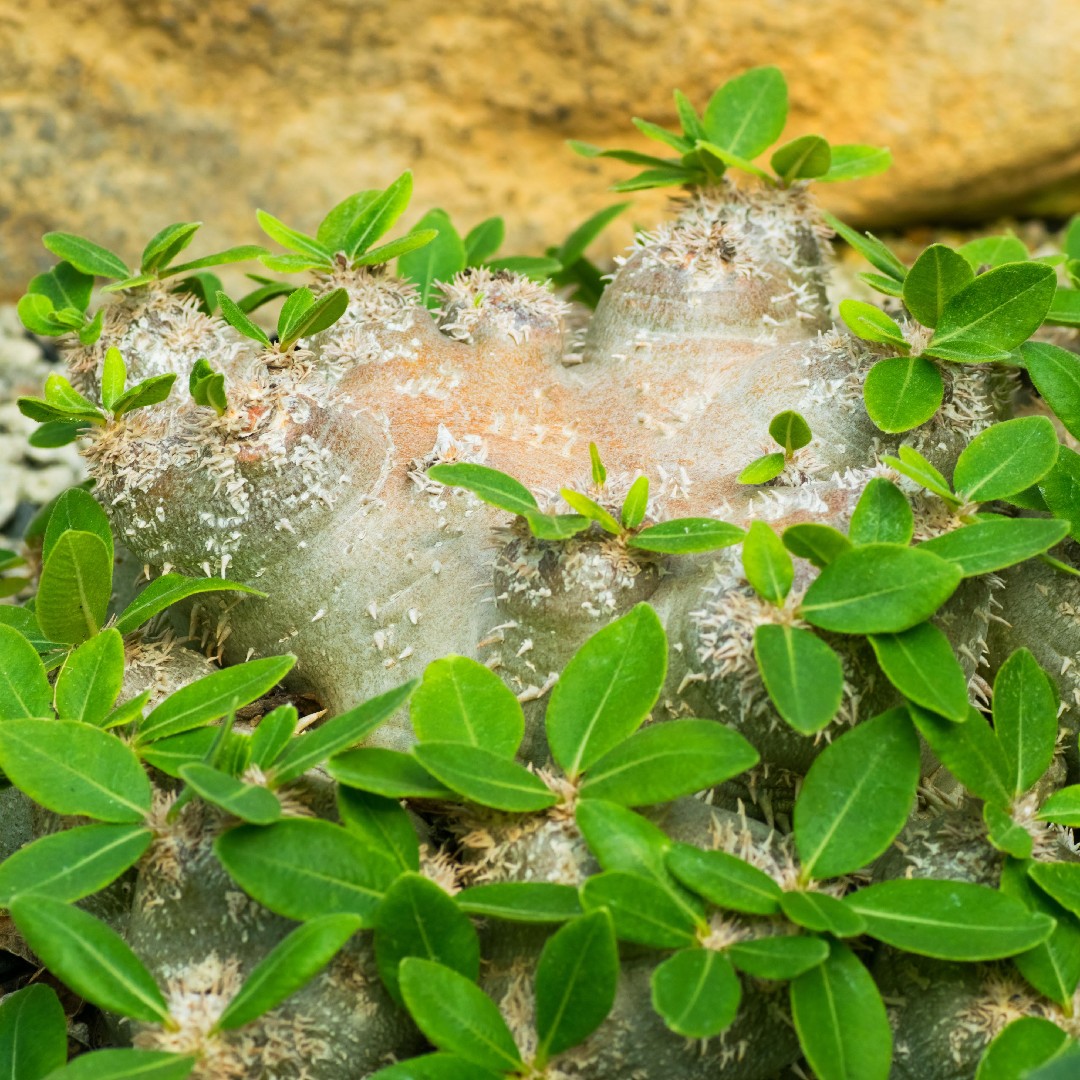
pixel 117 118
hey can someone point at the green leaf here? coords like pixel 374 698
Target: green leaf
pixel 747 114
pixel 313 319
pixel 878 589
pixel 857 796
pixel 342 732
pixel 697 993
pixel 854 162
pixel 303 867
pixel 149 392
pixel 76 509
pixel 990 251
pixel 1025 706
pixel 24 686
pixel 574 246
pixel 914 466
pixel 802 674
pixel 666 761
pixel 85 256
pixel 725 880
pixel 870 248
pixel 74 588
pixel 493 487
pixel 882 515
pixel 249 302
pixel 1060 489
pixel 555 526
pixel 127 713
pixel 240 253
pixel 1006 458
pixel 1065 309
pixel 377 217
pixel 938 274
pixel 970 751
pixel 803 158
pixel 166 245
pixel 292 240
pixel 707 150
pixel 576 978
pixel 819 544
pixel 170 589
pixel 763 469
pixel 685 536
pixel 64 287
pixel 418 919
pixel 791 431
pixel 33 1033
pixel 948 920
pixel 1063 807
pixel 767 564
pixel 882 284
pixel 536 267
pixel 995 544
pixel 821 913
pixel 457 1015
pixel 72 864
pixel 1056 375
pixel 292 963
pixel 248 802
pixel 607 689
pixel 89 957
pixel 55 433
pixel 437 261
pixel 784 956
pixel 521 901
pixel 483 240
pixel 644 912
pixel 589 508
pixel 1019 1047
pixel 437 1066
pixel 1005 834
pixel 126 1065
pixel 91 678
pixel 113 377
pixel 921 664
pixel 679 143
pixel 335 226
pixel 1052 967
pixel 636 503
pixel 390 773
pixel 37 314
pixel 840 1019
pixel 381 823
pixel 136 281
pixel 74 768
pixel 484 778
pixel 236 318
pixel 293 264
pixel 996 313
pixel 902 392
pixel 1059 880
pixel 872 324
pixel 213 696
pixel 169 755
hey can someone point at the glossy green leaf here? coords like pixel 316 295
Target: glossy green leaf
pixel 1006 458
pixel 948 920
pixel 413 240
pixel 990 251
pixel 970 751
pixel 1060 490
pixel 855 161
pixel 248 802
pixel 636 503
pixel 493 487
pixel 1025 709
pixel 483 240
pixel 149 392
pixel 903 392
pixel 623 840
pixel 821 913
pixel 725 880
pixel 591 509
pixel 418 919
pixel 272 735
pixel 992 545
pixel 921 664
pixel 485 778
pixel 171 754
pixel 644 912
pixel 872 324
pixel 461 700
pixel 126 1065
pixel 91 678
pixel 521 901
pixel 767 564
pixel 763 469
pixel 76 509
pixel 882 515
pixel 555 526
pixel 73 768
pixel 879 589
pixel 456 1015
pixel 870 248
pixel 24 686
pixel 802 674
pixel 72 864
pixel 303 867
pixel 937 275
pixel 390 773
pixel 377 217
pixel 165 245
pixel 437 261
pixel 914 466
pixel 1056 374
pixel 607 689
pixel 818 544
pixel 686 536
pixel 1059 880
pixel 320 316
pixel 74 588
pixel 33 1033
pixel 239 253
pixel 840 1019
pixel 576 978
pixel 213 696
pixel 170 589
pixel 857 796
pixel 784 956
pixel 291 239
pixel 1063 807
pixel 996 313
pixel 747 114
pixel 1020 1046
pixel 88 257
pixel 1005 834
pixel 697 993
pixel 113 377
pixel 381 823
pixel 804 158
pixel 64 287
pixel 437 1066
pixel 312 748
pixel 89 957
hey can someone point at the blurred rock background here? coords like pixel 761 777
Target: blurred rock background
pixel 119 116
